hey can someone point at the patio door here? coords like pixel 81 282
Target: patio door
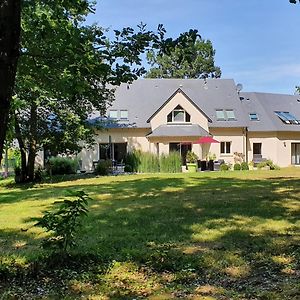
pixel 182 149
pixel 114 151
pixel 295 153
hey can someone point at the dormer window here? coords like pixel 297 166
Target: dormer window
pixel 113 114
pixel 178 115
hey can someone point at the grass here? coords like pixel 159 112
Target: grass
pixel 218 235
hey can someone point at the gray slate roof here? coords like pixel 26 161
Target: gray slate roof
pixel 178 130
pixel 144 97
pixel 265 104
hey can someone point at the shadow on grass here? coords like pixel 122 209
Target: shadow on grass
pixel 237 234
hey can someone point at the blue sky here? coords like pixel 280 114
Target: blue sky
pixel 256 41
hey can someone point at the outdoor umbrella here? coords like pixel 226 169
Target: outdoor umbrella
pixel 206 140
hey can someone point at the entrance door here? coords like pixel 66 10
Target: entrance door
pixel 182 149
pixel 114 151
pixel 295 153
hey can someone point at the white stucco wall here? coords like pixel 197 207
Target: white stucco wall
pixel 179 99
pixel 135 139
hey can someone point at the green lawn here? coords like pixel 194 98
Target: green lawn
pixel 221 235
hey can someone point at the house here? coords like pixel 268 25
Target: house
pixel 163 115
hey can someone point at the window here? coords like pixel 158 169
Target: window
pixel 113 114
pixel 230 114
pixel 295 153
pixel 114 151
pixel 220 114
pixel 225 147
pixel 253 117
pixel 182 148
pixel 124 114
pixel 287 117
pixel 178 115
pixel 225 115
pixel 257 148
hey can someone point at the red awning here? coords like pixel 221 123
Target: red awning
pixel 206 140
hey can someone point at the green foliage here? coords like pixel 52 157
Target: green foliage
pixel 149 163
pixel 244 166
pixel 64 222
pixel 211 156
pixel 268 163
pixel 67 69
pixel 224 167
pixel 237 166
pixel 62 165
pixel 189 56
pixel 128 169
pixel 133 159
pixel 103 167
pixel 191 157
pixel 38 174
pixel 170 163
pixel 145 162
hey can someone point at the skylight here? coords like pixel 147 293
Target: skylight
pixel 287 117
pixel 113 114
pixel 225 115
pixel 253 117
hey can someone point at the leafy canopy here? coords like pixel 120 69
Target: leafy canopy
pixel 188 56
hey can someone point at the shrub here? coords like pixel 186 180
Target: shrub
pixel 244 166
pixel 103 168
pixel 133 159
pixel 224 167
pixel 128 168
pixel 64 222
pixel 38 174
pixel 191 157
pixel 62 166
pixel 268 163
pixel 170 163
pixel 237 167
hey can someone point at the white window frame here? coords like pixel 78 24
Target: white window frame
pixel 113 111
pixel 173 115
pixel 123 111
pixel 226 152
pixel 224 114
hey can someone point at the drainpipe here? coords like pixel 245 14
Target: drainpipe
pixel 246 143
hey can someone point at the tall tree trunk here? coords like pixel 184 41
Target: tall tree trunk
pixel 10 19
pixel 22 149
pixel 32 142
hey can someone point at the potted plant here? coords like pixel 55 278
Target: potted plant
pixel 211 157
pixel 191 161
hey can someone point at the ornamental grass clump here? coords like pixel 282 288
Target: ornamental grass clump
pixel 170 163
pixel 149 163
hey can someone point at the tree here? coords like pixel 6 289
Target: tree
pixel 294 1
pixel 9 53
pixel 188 56
pixel 64 71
